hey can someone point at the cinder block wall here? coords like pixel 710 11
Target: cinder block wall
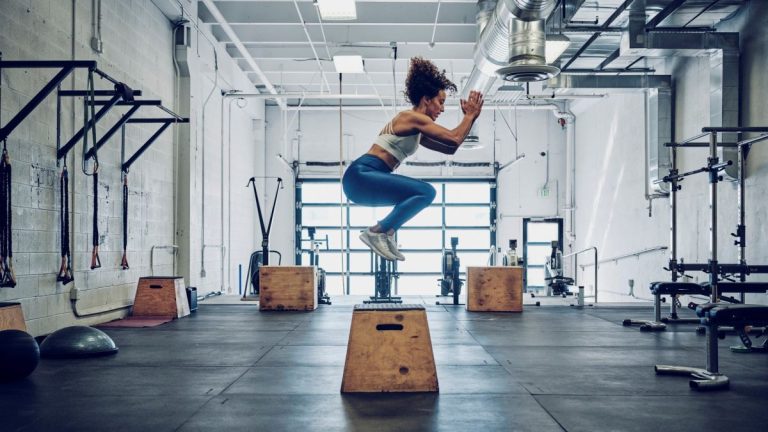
pixel 137 51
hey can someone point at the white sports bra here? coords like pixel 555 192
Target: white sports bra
pixel 398 146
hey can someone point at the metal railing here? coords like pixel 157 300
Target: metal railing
pixel 575 256
pixel 628 255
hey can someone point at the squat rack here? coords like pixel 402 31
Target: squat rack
pixel 711 378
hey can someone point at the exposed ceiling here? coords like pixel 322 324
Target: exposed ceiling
pixel 291 53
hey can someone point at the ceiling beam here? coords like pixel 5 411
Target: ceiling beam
pixel 244 52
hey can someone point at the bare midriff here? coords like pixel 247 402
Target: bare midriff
pixel 379 152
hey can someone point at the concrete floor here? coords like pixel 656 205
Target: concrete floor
pixel 231 368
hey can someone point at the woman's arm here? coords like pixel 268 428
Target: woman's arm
pixel 441 139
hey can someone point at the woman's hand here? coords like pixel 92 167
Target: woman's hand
pixel 473 105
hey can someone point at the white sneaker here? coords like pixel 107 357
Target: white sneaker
pixel 377 242
pixel 392 246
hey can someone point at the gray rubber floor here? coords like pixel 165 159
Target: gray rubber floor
pixel 232 368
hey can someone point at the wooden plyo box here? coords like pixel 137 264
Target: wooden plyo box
pixel 290 288
pixel 389 350
pixel 12 317
pixel 495 289
pixel 159 296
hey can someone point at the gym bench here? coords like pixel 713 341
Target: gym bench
pixel 673 289
pixel 712 316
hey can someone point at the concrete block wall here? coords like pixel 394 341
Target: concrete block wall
pixel 136 43
pixel 137 50
pixel 610 209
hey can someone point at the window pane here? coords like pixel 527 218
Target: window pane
pixel 421 262
pixel 538 255
pixel 535 277
pixel 333 285
pixel 417 285
pixel 334 239
pixel 361 285
pixel 430 216
pixel 469 239
pixel 420 239
pixel 360 262
pixel 472 259
pixel 367 216
pixel 320 192
pixel 355 242
pixel 438 192
pixel 542 231
pixel 467 192
pixel 331 261
pixel 322 216
pixel 467 216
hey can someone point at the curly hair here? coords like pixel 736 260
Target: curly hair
pixel 425 79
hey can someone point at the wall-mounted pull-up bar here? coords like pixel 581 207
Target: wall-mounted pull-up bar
pixel 165 122
pixel 66 68
pixel 135 105
pixel 121 95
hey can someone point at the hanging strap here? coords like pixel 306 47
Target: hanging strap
pixel 95 260
pixel 7 275
pixel 124 262
pixel 65 270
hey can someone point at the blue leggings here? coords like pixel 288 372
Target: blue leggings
pixel 369 181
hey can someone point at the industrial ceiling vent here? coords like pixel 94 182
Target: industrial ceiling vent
pixel 527 58
pixel 512 43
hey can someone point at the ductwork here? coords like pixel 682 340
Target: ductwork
pixel 511 44
pixel 658 89
pixel 723 51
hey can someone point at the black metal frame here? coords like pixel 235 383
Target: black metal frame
pixel 711 378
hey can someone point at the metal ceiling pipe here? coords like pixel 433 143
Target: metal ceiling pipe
pixel 492 48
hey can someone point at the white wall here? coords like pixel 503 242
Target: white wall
pixel 611 210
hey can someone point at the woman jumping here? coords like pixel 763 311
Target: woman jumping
pixel 369 180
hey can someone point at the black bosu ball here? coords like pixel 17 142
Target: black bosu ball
pixel 19 354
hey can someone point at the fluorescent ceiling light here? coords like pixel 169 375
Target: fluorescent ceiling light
pixel 348 63
pixel 337 10
pixel 555 47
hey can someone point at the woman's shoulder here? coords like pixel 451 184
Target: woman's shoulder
pixel 410 116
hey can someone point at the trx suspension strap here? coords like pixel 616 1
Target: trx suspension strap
pixel 124 261
pixel 65 274
pixel 95 260
pixel 65 271
pixel 7 276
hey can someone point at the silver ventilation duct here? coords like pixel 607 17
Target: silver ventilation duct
pixel 520 57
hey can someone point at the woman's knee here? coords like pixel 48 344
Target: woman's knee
pixel 428 192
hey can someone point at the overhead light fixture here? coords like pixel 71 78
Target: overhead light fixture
pixel 348 63
pixel 337 10
pixel 471 144
pixel 555 47
pixel 472 141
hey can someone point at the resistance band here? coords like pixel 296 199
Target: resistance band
pixel 65 271
pixel 95 260
pixel 124 261
pixel 7 275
